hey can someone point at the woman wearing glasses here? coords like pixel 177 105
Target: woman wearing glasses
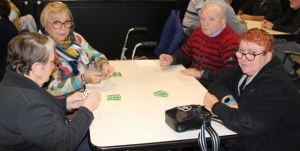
pixel 257 99
pixel 31 118
pixel 73 54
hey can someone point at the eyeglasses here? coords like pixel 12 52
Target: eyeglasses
pixel 250 56
pixel 58 24
pixel 54 62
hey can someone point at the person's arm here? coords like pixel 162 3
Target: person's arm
pixel 281 24
pixel 39 124
pixel 100 61
pixel 63 102
pixel 273 12
pixel 233 21
pixel 284 19
pixel 58 87
pixel 252 17
pixel 183 55
pixel 246 7
pixel 240 12
pixel 222 88
pixel 99 58
pixel 191 17
pixel 63 82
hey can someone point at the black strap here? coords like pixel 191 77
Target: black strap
pixel 214 137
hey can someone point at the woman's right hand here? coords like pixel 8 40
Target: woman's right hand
pixel 91 102
pixel 93 77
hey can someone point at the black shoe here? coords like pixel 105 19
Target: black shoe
pixel 293 76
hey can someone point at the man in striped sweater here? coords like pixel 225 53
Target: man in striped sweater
pixel 210 50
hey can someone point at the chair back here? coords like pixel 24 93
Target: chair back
pixel 171 36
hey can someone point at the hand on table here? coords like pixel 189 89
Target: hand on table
pixel 191 72
pixel 209 100
pixel 74 101
pixel 91 102
pixel 245 17
pixel 266 24
pixel 93 77
pixel 107 70
pixel 165 60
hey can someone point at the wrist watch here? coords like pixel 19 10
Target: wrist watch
pixel 228 100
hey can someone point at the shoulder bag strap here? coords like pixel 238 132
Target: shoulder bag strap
pixel 214 137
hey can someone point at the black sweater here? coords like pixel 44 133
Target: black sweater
pixel 268 108
pixel 32 119
pixel 289 23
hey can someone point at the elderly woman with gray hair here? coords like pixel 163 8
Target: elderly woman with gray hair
pixel 32 118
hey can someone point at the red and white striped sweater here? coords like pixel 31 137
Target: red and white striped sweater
pixel 214 55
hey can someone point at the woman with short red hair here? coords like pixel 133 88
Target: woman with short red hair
pixel 257 99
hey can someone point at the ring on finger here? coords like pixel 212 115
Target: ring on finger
pixel 98 81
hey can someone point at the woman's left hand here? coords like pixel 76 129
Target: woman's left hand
pixel 209 100
pixel 107 70
pixel 74 101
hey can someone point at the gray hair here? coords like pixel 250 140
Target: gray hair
pixel 26 49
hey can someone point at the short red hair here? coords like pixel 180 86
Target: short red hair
pixel 259 37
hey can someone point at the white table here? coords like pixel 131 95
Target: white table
pixel 138 119
pixel 257 24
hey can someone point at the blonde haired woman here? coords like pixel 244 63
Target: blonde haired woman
pixel 72 51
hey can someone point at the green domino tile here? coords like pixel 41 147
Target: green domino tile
pixel 161 94
pixel 117 74
pixel 114 97
pixel 109 97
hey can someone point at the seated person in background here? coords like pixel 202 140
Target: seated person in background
pixel 260 10
pixel 14 15
pixel 289 23
pixel 257 99
pixel 210 50
pixel 192 15
pixel 73 53
pixel 7 32
pixel 31 118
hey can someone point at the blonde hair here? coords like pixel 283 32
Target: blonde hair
pixel 52 9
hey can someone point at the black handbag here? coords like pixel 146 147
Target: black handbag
pixel 192 117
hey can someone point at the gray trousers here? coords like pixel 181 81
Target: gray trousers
pixel 282 49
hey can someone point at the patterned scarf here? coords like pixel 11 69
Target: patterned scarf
pixel 63 47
